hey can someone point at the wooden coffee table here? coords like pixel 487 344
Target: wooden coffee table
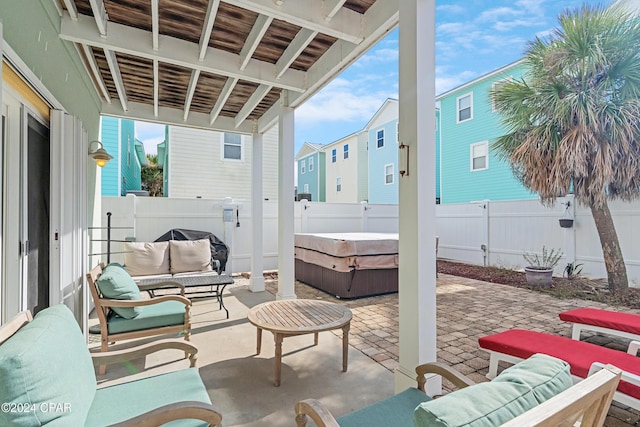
pixel 286 318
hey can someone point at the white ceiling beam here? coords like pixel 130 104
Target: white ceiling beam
pixel 295 48
pixel 253 39
pixel 195 74
pixel 345 25
pixel 253 101
pixel 332 7
pixel 222 98
pixel 155 24
pixel 173 116
pixel 100 15
pixel 117 77
pixel 380 19
pixel 156 87
pixel 71 8
pixel 58 7
pixel 205 36
pixel 136 42
pixel 95 71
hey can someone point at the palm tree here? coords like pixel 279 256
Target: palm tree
pixel 152 178
pixel 572 120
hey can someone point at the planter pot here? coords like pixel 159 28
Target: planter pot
pixel 566 223
pixel 539 276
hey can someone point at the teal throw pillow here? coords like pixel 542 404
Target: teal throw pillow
pixel 116 283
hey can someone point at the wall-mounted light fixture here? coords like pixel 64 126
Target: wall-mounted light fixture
pixel 404 160
pixel 100 155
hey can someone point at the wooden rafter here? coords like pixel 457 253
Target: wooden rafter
pixel 297 45
pixel 222 98
pixel 117 77
pixel 212 10
pixel 155 24
pixel 252 103
pixel 332 7
pixel 253 40
pixel 95 71
pixel 195 74
pixel 100 15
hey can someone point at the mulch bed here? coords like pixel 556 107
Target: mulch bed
pixel 579 287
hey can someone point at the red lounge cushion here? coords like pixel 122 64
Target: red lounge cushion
pixel 624 322
pixel 579 354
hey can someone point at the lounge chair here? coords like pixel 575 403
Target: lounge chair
pixel 48 378
pixel 536 392
pixel 514 345
pixel 124 315
pixel 625 325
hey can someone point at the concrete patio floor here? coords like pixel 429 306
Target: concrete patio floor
pixel 240 383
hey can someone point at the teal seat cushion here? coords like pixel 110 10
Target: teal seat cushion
pixel 46 365
pixel 123 401
pixel 167 313
pixel 116 283
pixel 513 392
pixel 396 411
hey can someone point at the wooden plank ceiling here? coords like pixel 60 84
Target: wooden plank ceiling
pixel 218 64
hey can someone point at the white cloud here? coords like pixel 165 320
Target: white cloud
pixel 345 100
pixel 450 8
pixel 146 130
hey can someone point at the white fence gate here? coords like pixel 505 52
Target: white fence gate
pixel 484 232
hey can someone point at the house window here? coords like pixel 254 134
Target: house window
pixel 388 174
pixel 302 166
pixel 339 184
pixel 232 146
pixel 333 155
pixel 479 156
pixel 310 164
pixel 380 138
pixel 306 189
pixel 465 108
pixel 496 86
pixel 345 150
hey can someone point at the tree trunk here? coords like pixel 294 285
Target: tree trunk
pixel 613 260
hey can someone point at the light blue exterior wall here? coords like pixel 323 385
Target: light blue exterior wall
pixel 124 168
pixel 111 171
pixel 458 183
pixel 379 191
pixel 315 179
pixel 437 154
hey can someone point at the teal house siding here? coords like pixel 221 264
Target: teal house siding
pixel 314 179
pixel 123 172
pixel 438 154
pixel 110 142
pixel 475 131
pixel 380 191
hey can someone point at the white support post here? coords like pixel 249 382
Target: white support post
pixel 286 276
pixel 229 228
pixel 257 209
pixel 304 215
pixel 570 233
pixel 417 214
pixel 365 216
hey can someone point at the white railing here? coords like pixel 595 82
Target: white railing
pixel 483 232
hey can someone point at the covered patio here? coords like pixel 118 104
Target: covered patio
pixel 235 66
pixel 240 383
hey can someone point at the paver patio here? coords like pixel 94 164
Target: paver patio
pixel 466 310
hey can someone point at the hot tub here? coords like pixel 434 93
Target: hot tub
pixel 348 265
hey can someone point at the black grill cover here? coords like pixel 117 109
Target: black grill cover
pixel 219 251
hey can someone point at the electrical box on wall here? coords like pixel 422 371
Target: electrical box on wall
pixel 227 215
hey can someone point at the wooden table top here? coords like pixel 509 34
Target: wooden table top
pixel 299 316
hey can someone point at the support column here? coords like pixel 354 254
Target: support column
pixel 286 277
pixel 257 208
pixel 417 244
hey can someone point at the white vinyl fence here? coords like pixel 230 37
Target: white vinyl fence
pixel 483 232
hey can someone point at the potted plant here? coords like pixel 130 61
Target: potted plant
pixel 539 270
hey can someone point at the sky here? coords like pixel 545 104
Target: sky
pixel 473 37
